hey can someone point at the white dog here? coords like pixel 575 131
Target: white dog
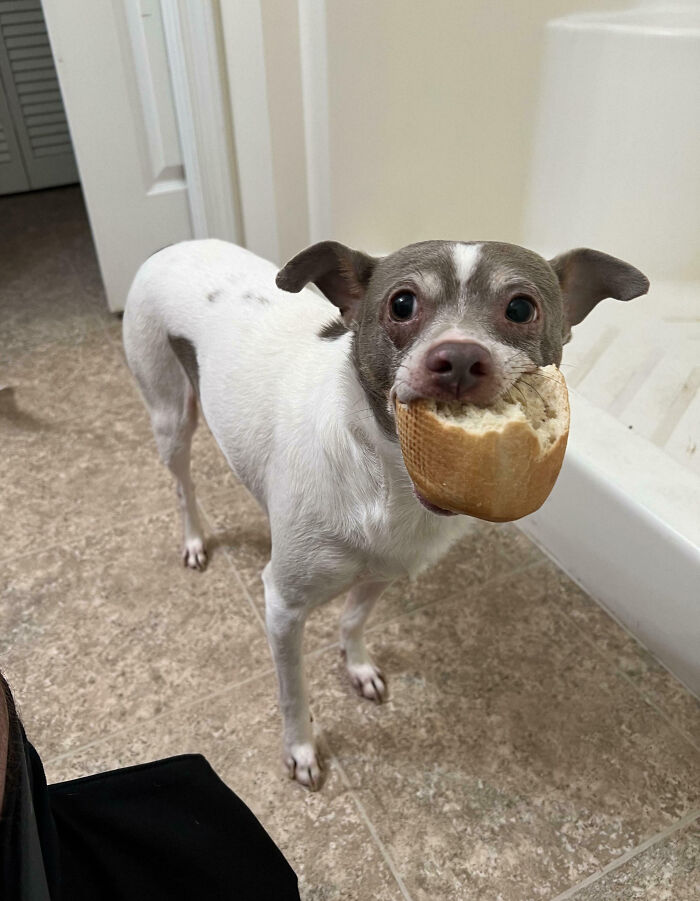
pixel 300 401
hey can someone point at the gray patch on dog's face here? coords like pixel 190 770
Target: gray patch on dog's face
pixel 187 355
pixel 453 295
pixel 502 272
pixel 425 269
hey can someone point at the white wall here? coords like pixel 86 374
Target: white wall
pixel 429 123
pixel 431 116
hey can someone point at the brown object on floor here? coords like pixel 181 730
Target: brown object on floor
pixel 498 463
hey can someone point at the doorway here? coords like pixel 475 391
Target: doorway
pixel 50 284
pixel 35 144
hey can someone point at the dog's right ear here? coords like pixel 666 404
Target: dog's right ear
pixel 341 273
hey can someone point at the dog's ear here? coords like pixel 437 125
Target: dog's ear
pixel 340 273
pixel 588 276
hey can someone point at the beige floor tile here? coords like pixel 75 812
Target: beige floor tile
pixel 79 453
pixel 76 244
pixel 514 544
pixel 322 835
pixel 628 656
pixel 45 293
pixel 62 480
pixel 113 629
pixel 517 761
pixel 668 871
pixel 35 314
pixel 72 378
pixel 43 298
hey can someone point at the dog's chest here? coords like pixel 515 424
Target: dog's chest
pixel 402 547
pixel 396 535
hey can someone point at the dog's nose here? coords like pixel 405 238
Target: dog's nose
pixel 458 366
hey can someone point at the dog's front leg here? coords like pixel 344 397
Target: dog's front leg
pixel 367 678
pixel 285 633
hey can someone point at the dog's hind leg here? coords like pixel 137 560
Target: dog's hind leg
pixel 365 675
pixel 172 404
pixel 174 448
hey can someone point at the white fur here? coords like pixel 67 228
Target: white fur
pixel 465 258
pixel 429 282
pixel 291 418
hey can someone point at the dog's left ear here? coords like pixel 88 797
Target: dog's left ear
pixel 341 273
pixel 588 276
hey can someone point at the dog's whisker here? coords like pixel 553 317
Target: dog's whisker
pixel 532 388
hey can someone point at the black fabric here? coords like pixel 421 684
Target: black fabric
pixel 164 830
pixel 29 867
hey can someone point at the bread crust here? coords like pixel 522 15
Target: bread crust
pixel 498 475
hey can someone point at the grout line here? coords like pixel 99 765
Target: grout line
pixel 601 606
pixel 80 537
pixel 494 580
pixel 380 844
pixel 629 855
pixel 210 529
pixel 192 702
pixel 608 658
pixel 662 713
pixel 64 755
pixel 384 851
pixel 466 594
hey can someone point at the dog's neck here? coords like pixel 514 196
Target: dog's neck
pixel 377 395
pixel 373 437
pixel 364 407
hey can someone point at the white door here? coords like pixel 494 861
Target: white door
pixel 113 70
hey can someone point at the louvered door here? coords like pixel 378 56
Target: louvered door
pixel 35 144
pixel 13 176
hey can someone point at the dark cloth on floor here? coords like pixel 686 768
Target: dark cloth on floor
pixel 164 830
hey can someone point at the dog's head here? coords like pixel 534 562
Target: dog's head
pixel 454 320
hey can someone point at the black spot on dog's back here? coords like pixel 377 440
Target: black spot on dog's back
pixel 256 298
pixel 336 328
pixel 213 295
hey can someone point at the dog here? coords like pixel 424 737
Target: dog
pixel 300 399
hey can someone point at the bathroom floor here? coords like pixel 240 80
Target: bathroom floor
pixel 530 747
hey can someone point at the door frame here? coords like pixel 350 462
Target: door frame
pixel 200 91
pixel 220 79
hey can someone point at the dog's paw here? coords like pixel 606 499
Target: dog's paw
pixel 368 681
pixel 304 765
pixel 194 556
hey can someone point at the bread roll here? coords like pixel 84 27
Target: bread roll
pixel 497 463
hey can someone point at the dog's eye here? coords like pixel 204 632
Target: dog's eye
pixel 403 306
pixel 521 309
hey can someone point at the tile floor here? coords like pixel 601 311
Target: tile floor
pixel 530 748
